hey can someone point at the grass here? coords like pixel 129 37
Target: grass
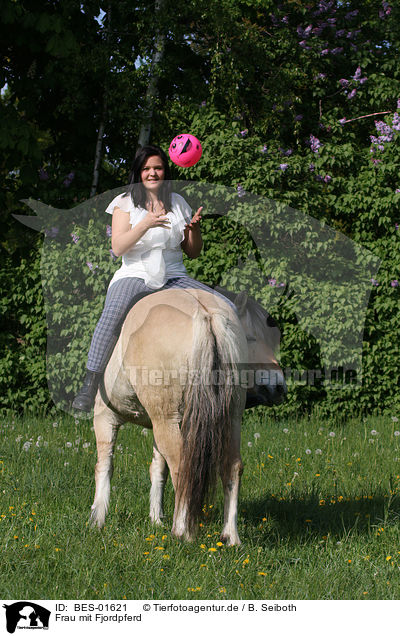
pixel 318 519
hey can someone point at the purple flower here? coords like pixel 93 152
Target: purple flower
pixel 241 191
pixel 204 103
pixel 314 143
pixel 374 282
pixel 396 226
pixel 108 230
pixel 264 150
pixel 398 103
pixel 394 283
pixel 327 178
pixel 285 19
pixel 303 44
pixel 311 167
pixel 75 237
pixel 283 166
pixel 244 132
pixel 397 190
pixel 337 50
pixel 343 82
pixel 357 74
pixel 340 33
pixel 68 179
pixel 396 121
pixel 352 94
pixel 325 52
pixel 298 117
pixel 351 14
pixel 272 282
pixel 342 121
pixel 113 255
pixel 90 265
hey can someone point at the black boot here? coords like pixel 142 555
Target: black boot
pixel 84 401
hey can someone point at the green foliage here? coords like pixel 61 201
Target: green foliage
pixel 284 99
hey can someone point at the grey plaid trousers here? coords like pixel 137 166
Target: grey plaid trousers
pixel 121 297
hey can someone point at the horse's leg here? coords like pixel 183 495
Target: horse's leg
pixel 106 425
pixel 168 438
pixel 231 475
pixel 158 476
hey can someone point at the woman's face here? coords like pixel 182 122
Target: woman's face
pixel 152 173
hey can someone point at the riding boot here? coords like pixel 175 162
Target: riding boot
pixel 84 401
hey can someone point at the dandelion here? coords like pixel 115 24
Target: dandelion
pixel 249 444
pixel 308 451
pixel 286 430
pixel 68 444
pixel 318 451
pixel 374 432
pixel 332 434
pixel 256 435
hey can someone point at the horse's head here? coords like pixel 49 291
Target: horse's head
pixel 267 384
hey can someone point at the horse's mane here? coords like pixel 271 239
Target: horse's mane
pixel 264 324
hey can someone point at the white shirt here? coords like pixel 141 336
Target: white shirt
pixel 157 255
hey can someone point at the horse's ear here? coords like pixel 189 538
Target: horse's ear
pixel 241 302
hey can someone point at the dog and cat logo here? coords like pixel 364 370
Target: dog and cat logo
pixel 26 615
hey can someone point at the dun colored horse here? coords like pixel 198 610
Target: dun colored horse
pixel 183 365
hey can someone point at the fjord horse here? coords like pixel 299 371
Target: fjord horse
pixel 180 367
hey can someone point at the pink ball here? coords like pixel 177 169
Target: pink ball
pixel 185 150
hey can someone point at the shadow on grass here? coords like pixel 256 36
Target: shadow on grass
pixel 298 518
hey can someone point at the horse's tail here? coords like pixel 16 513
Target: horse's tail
pixel 209 396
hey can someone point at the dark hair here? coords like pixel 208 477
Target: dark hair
pixel 136 189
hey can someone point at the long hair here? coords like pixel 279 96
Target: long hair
pixel 136 189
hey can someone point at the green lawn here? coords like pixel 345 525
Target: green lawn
pixel 318 517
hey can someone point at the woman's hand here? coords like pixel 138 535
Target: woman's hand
pixel 156 216
pixel 193 242
pixel 195 219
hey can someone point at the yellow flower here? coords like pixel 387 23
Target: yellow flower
pixel 348 560
pixel 166 556
pixel 219 543
pixel 388 557
pixel 212 549
pixel 222 590
pixel 262 574
pixel 158 547
pixel 202 546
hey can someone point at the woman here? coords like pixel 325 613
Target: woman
pixel 150 227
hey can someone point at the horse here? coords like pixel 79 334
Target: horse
pixel 181 367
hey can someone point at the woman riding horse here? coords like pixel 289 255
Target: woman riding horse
pixel 150 227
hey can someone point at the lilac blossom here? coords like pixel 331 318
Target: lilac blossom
pixel 342 121
pixel 394 283
pixel 298 117
pixel 113 256
pixel 243 133
pixel 75 237
pixel 315 143
pixel 311 167
pixel 264 150
pixel 337 50
pixel 344 82
pixel 327 178
pixel 340 33
pixel 108 230
pixel 272 282
pixel 351 14
pixel 396 121
pixel 398 103
pixel 283 166
pixel 241 191
pixel 325 52
pixel 374 282
pixel 352 94
pixel 69 179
